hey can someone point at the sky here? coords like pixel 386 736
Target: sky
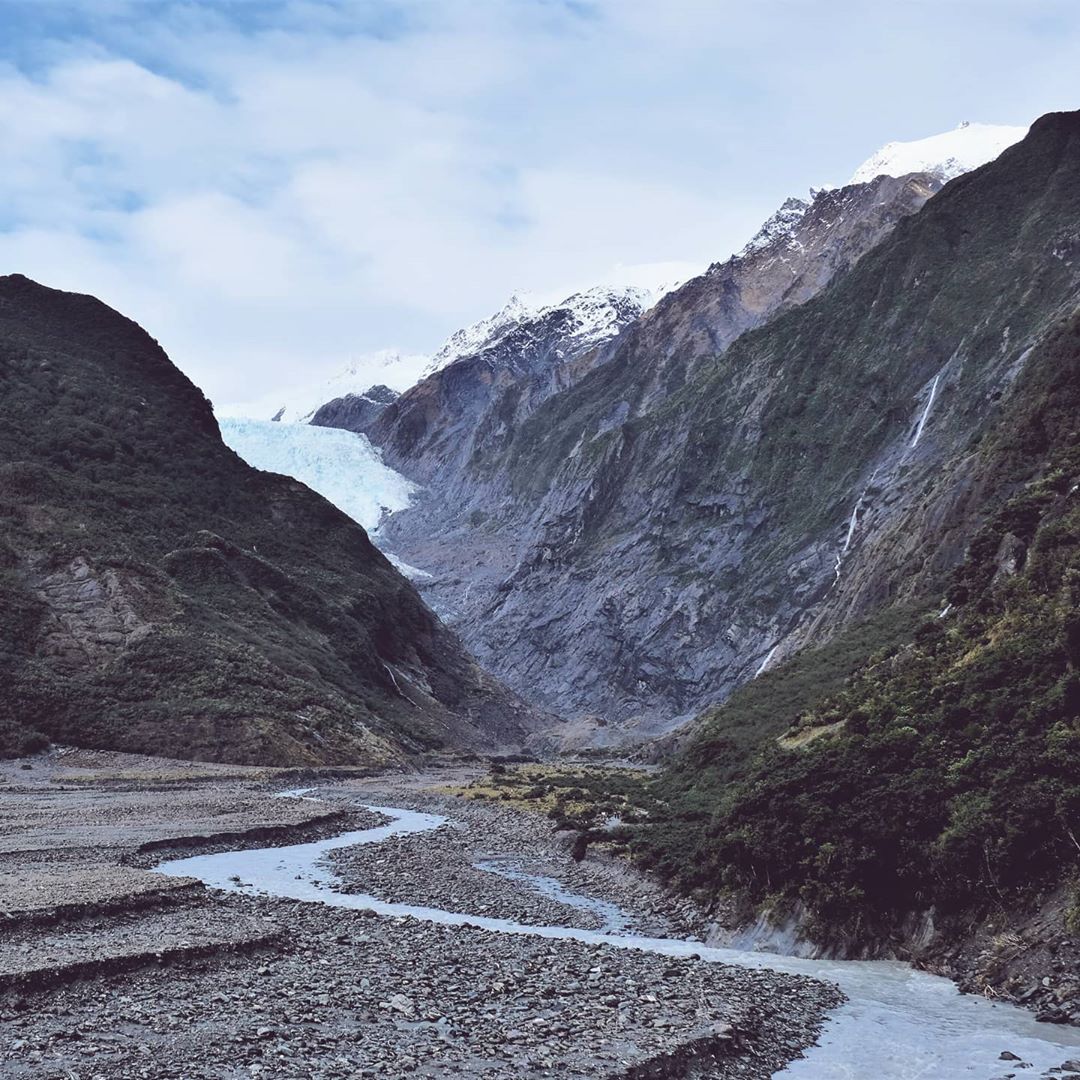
pixel 273 188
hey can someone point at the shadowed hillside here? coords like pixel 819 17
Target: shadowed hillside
pixel 158 594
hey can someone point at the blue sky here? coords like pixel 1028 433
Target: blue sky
pixel 274 187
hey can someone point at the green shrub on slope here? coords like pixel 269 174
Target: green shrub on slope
pixel 946 771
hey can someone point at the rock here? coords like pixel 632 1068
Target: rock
pixel 355 412
pixel 400 1003
pixel 349 993
pixel 450 430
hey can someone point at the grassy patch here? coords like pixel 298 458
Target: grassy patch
pixel 572 796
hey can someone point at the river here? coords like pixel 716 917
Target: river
pixel 897 1024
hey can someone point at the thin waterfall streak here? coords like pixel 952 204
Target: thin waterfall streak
pixel 765 662
pixel 926 412
pixel 397 687
pixel 852 526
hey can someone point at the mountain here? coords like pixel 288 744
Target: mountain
pixel 911 787
pixel 857 529
pixel 812 471
pixel 945 156
pixel 871 504
pixel 490 374
pixel 513 524
pixel 354 412
pixel 159 595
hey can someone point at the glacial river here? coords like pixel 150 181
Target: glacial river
pixel 897 1024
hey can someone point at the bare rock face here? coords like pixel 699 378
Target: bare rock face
pixel 355 412
pixel 784 444
pixel 1009 558
pixel 92 616
pixel 466 413
pixel 795 254
pixel 488 546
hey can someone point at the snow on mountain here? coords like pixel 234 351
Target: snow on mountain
pixel 396 370
pixel 601 313
pixel 341 466
pixel 597 314
pixel 946 156
pixel 781 226
pixel 472 339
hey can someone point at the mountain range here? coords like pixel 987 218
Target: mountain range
pixel 804 526
pixel 587 577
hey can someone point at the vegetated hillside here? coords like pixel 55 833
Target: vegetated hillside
pixel 159 595
pixel 919 765
pixel 575 608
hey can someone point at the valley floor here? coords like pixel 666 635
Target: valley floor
pixel 110 970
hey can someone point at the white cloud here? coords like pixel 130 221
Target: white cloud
pixel 274 188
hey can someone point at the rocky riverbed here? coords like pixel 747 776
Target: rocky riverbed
pixel 345 995
pixel 129 974
pixel 485 861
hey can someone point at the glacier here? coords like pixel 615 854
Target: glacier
pixel 341 466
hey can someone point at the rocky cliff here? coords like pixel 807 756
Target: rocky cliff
pixel 911 789
pixel 565 582
pixel 159 595
pixel 814 470
pixel 355 412
pixel 489 378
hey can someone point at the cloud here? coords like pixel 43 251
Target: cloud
pixel 274 187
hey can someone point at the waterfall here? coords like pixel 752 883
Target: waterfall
pixel 852 526
pixel 853 521
pixel 926 412
pixel 393 679
pixel 766 661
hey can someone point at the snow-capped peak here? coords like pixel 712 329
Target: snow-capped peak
pixel 600 313
pixel 946 156
pixel 597 314
pixel 781 226
pixel 470 339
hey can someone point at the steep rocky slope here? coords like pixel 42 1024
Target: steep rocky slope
pixel 503 528
pixel 684 516
pixel 497 374
pixel 158 594
pixel 355 412
pixel 816 469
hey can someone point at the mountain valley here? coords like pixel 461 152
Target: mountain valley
pixel 591 696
